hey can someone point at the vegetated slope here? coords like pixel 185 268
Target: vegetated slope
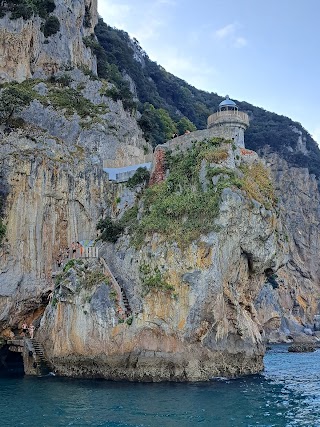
pixel 172 99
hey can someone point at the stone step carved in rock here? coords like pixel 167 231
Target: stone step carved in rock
pixel 122 297
pixel 43 364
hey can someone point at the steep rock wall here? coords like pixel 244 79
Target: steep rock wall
pixel 25 52
pixel 288 312
pixel 207 326
pixel 54 188
pixel 49 205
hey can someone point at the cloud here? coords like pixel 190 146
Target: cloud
pixel 225 31
pixel 196 72
pixel 115 13
pixel 228 34
pixel 142 21
pixel 240 42
pixel 170 2
pixel 148 29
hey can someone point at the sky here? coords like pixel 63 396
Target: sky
pixel 265 52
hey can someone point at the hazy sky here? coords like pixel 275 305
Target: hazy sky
pixel 265 52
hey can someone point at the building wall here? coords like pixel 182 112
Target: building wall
pixel 184 142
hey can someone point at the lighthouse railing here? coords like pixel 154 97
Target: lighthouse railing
pixel 222 116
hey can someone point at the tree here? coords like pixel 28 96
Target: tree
pixel 166 124
pixel 110 230
pixel 185 124
pixel 51 26
pixel 156 124
pixel 12 100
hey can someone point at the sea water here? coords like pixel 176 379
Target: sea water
pixel 287 393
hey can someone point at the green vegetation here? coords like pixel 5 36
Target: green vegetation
pixel 93 278
pixel 141 175
pixel 70 264
pixel 113 295
pixel 12 100
pixel 181 208
pixel 157 125
pixel 121 87
pixel 129 321
pixel 63 80
pixel 184 125
pixel 153 280
pixel 27 8
pixel 258 185
pixel 110 230
pixel 87 17
pixel 51 26
pixel 15 96
pixel 163 90
pixel 74 102
pixel 3 230
pixel 216 156
pixel 58 279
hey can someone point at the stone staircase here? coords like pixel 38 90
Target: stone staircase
pixel 125 300
pixel 43 365
pixel 122 297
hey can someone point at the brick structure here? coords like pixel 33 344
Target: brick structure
pixel 158 173
pixel 246 152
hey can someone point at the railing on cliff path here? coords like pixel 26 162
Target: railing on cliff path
pixel 89 252
pixel 220 116
pixel 93 252
pixel 114 283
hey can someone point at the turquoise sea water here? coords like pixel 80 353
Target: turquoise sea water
pixel 286 394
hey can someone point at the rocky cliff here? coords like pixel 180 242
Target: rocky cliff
pixel 207 264
pixel 53 186
pixel 288 311
pixel 191 299
pixel 26 49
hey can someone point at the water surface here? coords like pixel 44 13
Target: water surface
pixel 286 394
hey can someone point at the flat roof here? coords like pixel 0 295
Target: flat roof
pixel 113 172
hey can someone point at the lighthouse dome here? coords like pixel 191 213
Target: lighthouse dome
pixel 227 103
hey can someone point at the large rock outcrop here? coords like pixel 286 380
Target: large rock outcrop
pixel 192 307
pixel 288 311
pixel 25 51
pixel 53 186
pixel 197 310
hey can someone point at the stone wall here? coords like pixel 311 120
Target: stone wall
pixel 184 142
pixel 158 167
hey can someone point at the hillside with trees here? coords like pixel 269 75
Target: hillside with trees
pixel 168 104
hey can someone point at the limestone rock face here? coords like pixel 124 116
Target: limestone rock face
pixel 216 306
pixel 289 310
pixel 55 190
pixel 25 52
pixel 206 327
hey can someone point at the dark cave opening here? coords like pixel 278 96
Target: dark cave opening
pixel 11 362
pixel 271 278
pixel 249 258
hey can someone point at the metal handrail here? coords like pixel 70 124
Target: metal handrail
pixel 229 115
pixel 115 284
